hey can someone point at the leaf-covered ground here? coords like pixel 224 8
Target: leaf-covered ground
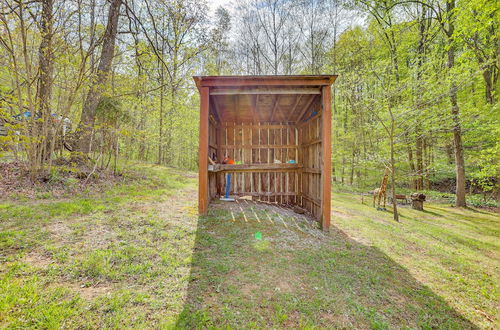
pixel 138 256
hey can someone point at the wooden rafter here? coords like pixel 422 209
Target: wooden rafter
pixel 219 109
pixel 275 106
pixel 214 107
pixel 294 107
pixel 253 108
pixel 306 107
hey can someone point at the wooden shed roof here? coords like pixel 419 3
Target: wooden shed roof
pixel 275 80
pixel 264 98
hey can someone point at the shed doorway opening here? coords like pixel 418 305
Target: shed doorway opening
pixel 276 133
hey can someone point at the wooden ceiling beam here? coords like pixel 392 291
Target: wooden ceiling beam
pixel 294 107
pixel 275 106
pixel 263 91
pixel 219 109
pixel 214 107
pixel 306 107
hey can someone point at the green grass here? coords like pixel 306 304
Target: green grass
pixel 138 256
pixel 454 251
pixel 98 260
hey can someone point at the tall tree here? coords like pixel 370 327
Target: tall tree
pixel 45 73
pixel 449 29
pixel 101 78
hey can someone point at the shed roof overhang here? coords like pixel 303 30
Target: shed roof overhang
pixel 263 98
pixel 241 81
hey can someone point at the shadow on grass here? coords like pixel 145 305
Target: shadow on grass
pixel 475 210
pixel 426 211
pixel 291 278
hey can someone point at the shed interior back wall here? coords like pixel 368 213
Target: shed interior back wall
pixel 266 143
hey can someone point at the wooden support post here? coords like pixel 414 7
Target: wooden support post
pixel 326 138
pixel 203 153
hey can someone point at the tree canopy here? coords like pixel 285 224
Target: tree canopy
pixel 417 86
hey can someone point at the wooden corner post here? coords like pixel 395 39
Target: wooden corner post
pixel 326 137
pixel 203 153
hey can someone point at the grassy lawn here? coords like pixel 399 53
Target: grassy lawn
pixel 138 256
pixel 454 252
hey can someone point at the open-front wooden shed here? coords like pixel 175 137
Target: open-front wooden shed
pixel 277 129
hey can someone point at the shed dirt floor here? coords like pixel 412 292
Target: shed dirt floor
pixel 138 256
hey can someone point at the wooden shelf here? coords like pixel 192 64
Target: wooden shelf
pixel 283 167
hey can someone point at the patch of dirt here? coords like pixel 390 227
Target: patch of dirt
pixel 65 177
pixel 249 289
pixel 98 236
pixel 37 260
pixel 59 228
pixel 293 320
pixel 284 286
pixel 86 292
pixel 342 320
pixel 92 292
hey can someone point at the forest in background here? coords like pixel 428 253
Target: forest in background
pixel 417 86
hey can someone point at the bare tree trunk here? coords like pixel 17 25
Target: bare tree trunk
pixel 351 177
pixel 44 90
pixel 160 142
pixel 393 170
pixel 427 162
pixel 94 94
pixel 420 162
pixel 343 170
pixel 459 153
pixel 413 181
pixel 423 33
pixel 455 113
pixel 489 88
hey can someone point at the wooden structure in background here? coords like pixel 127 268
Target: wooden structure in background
pixel 277 129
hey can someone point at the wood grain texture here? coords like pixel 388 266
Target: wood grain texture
pixel 262 123
pixel 255 167
pixel 326 173
pixel 262 91
pixel 203 152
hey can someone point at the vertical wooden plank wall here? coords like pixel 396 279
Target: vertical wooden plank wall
pixel 212 150
pixel 311 155
pixel 262 143
pixel 203 153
